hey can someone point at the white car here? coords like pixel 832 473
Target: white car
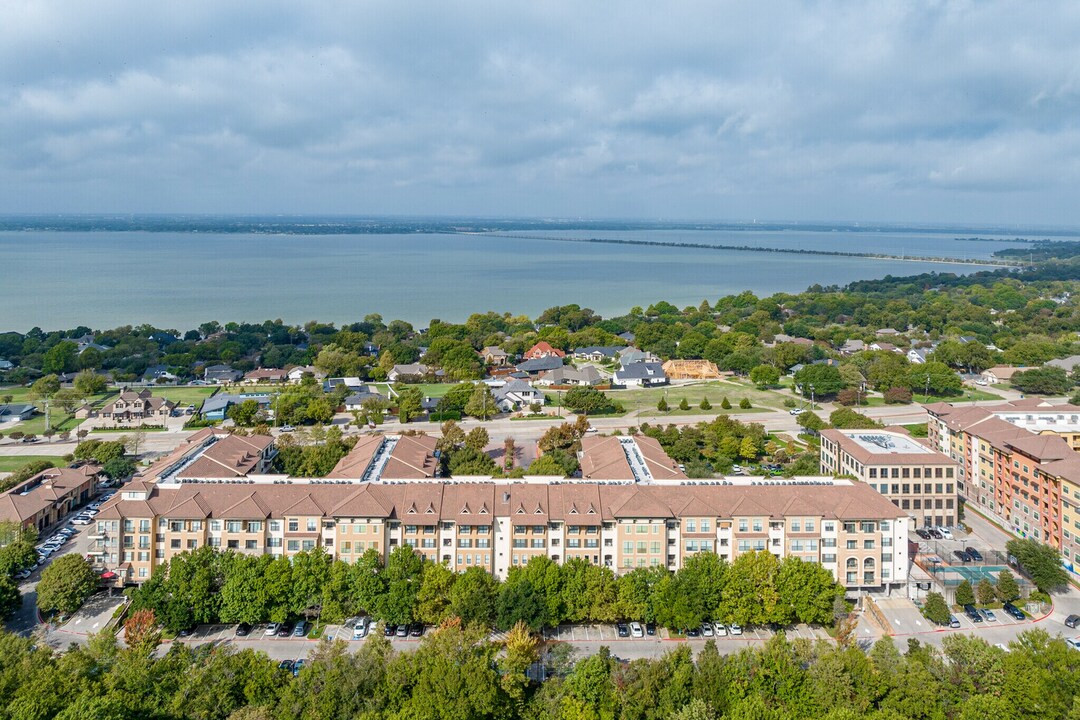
pixel 81 520
pixel 797 411
pixel 287 428
pixel 1074 642
pixel 636 630
pixel 735 629
pixel 945 533
pixel 981 382
pixel 721 631
pixel 272 629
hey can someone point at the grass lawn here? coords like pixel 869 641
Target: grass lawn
pixel 18 393
pixel 11 463
pixel 645 399
pixel 36 425
pixel 715 410
pixel 184 395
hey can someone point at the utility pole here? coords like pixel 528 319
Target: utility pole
pixel 926 392
pixel 811 397
pixel 47 426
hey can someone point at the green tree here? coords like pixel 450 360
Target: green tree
pixel 684 404
pixel 705 404
pixel 1043 381
pixel 473 596
pixel 60 358
pixel 89 383
pixel 45 387
pixel 410 403
pixel 725 404
pixel 586 400
pixel 244 413
pixel 1040 562
pixel 1007 588
pixel 750 596
pixel 765 375
pixel 433 603
pixel 964 594
pixel 984 592
pixel 477 439
pixel 748 449
pixel 848 419
pixel 745 403
pixel 938 377
pixel 118 468
pixel 10 599
pixel 67 399
pixel 819 381
pixel 935 609
pixel 662 405
pixel 403 574
pixel 808 590
pixel 546 464
pixel 481 403
pixel 65 584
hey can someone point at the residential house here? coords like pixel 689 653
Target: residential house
pixel 44 499
pixel 353 384
pixel 628 336
pixel 852 346
pixel 630 355
pixel 265 375
pixel 542 350
pixel 885 346
pixel 13 412
pixel 517 394
pixel 569 375
pixel 598 353
pixel 217 406
pixel 412 372
pixel 1068 364
pixel 86 342
pixel 1000 374
pixel 535 368
pixel 356 400
pixel 917 356
pixel 296 374
pixel 640 374
pixel 221 374
pixel 159 374
pixel 887 332
pixel 495 356
pixel 5 364
pixel 131 409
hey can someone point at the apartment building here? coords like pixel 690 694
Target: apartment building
pixel 1019 464
pixel 846 526
pixel 915 478
pixel 41 501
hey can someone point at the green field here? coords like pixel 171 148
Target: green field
pixel 645 399
pixel 11 463
pixel 184 395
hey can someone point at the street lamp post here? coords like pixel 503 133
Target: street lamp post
pixel 926 392
pixel 812 396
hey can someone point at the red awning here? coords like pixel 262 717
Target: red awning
pixel 108 575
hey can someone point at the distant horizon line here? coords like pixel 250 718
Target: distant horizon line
pixel 563 222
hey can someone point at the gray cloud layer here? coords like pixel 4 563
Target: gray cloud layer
pixel 936 111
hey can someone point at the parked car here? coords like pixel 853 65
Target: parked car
pixel 923 533
pixel 650 628
pixel 693 632
pixel 284 630
pixel 945 532
pixel 297 667
pixel 797 411
pixel 935 533
pixel 360 628
pixel 272 629
pixel 636 630
pixel 243 630
pixel 286 665
pixel 1013 611
pixel 706 629
pixel 622 629
pixel 300 630
pixel 81 520
pixel 975 554
pixel 402 631
pixel 973 613
pixel 388 630
pixel 735 629
pixel 23 574
pixel 962 556
pixel 720 630
pixel 1073 642
pixel 187 632
pixel 287 428
pixel 988 615
pixel 954 622
pixel 1072 621
pixel 416 630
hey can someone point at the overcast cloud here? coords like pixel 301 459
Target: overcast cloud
pixel 963 112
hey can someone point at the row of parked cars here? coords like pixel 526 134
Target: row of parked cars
pixel 707 629
pixel 968 554
pixel 977 616
pixel 410 630
pixel 935 533
pixel 86 515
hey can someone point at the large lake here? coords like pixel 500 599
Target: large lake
pixel 58 280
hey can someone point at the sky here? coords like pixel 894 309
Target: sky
pixel 918 112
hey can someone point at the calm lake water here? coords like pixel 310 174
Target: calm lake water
pixel 58 280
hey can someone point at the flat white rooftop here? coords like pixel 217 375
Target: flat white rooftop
pixel 881 442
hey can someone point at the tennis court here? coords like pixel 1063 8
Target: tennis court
pixel 955 574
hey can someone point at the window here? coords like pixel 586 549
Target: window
pixel 294 546
pixel 234 545
pixel 828 527
pixel 174 544
pixel 691 526
pixel 251 544
pixel 796 526
pixel 705 526
pixel 255 526
pixel 757 526
pixel 144 526
pixel 232 526
pixel 294 525
pixel 312 525
pixel 742 526
pixel 275 526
